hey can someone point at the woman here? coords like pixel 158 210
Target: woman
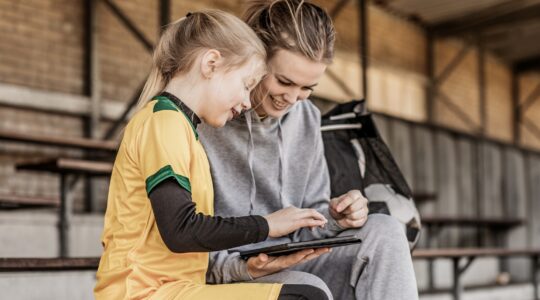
pixel 158 224
pixel 275 158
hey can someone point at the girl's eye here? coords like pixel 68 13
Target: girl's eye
pixel 308 89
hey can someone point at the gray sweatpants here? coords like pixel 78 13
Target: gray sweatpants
pixel 380 268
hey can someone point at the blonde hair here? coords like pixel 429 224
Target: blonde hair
pixel 183 40
pixel 293 25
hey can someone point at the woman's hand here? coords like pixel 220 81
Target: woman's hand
pixel 350 210
pixel 290 219
pixel 263 264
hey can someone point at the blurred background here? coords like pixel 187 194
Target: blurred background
pixel 454 87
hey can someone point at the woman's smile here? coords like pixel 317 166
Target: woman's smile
pixel 278 104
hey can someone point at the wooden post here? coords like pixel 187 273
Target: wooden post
pixel 364 44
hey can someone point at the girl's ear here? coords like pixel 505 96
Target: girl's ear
pixel 211 59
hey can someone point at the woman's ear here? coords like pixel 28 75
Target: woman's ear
pixel 211 59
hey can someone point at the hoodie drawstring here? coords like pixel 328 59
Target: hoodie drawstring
pixel 281 165
pixel 251 147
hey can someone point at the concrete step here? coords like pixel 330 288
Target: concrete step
pixel 48 285
pixel 80 284
pixel 33 233
pixel 514 292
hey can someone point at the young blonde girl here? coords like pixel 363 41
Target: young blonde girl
pixel 158 224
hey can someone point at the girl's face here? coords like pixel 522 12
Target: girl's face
pixel 291 78
pixel 228 93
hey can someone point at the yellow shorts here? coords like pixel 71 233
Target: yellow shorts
pixel 234 291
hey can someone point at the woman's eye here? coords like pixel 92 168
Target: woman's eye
pixel 284 83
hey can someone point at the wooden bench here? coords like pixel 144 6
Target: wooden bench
pixel 457 254
pixel 65 167
pixel 68 142
pixel 498 226
pixel 48 264
pixel 422 197
pixel 16 201
pixel 68 166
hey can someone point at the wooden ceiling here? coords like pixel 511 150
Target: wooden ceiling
pixel 508 28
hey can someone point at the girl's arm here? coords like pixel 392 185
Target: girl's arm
pixel 184 230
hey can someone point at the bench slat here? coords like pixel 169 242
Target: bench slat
pixel 68 165
pixel 48 264
pixel 71 142
pixel 11 201
pixel 424 197
pixel 465 252
pixel 472 221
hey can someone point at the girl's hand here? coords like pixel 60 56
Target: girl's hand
pixel 290 219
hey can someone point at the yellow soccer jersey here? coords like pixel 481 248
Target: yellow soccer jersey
pixel 160 142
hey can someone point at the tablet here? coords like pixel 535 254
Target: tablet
pixel 288 248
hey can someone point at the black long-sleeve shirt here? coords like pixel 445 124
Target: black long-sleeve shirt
pixel 184 230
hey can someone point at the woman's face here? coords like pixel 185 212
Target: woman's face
pixel 291 77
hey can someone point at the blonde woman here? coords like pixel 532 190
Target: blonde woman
pixel 275 158
pixel 158 224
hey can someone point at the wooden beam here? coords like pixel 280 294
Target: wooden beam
pixel 482 88
pixel 364 45
pixel 55 102
pixel 430 71
pixel 447 71
pixel 139 35
pixel 516 124
pixel 93 78
pixel 164 14
pixel 458 112
pixel 335 78
pixel 529 64
pixel 504 13
pixel 531 98
pixel 109 134
pixel 533 129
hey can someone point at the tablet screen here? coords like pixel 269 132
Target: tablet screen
pixel 289 248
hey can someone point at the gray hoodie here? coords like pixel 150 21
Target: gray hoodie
pixel 261 166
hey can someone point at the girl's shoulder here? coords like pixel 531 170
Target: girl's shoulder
pixel 164 118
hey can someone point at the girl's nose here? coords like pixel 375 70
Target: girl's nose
pixel 246 103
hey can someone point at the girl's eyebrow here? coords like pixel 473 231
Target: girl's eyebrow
pixel 282 77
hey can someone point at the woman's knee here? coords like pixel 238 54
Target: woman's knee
pixel 385 226
pixel 297 278
pixel 302 292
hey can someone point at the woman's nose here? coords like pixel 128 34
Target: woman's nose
pixel 292 96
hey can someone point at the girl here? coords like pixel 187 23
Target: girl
pixel 281 139
pixel 158 225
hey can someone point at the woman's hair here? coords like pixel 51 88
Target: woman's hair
pixel 183 40
pixel 293 25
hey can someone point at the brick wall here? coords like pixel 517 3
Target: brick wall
pixel 42 47
pixel 41 44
